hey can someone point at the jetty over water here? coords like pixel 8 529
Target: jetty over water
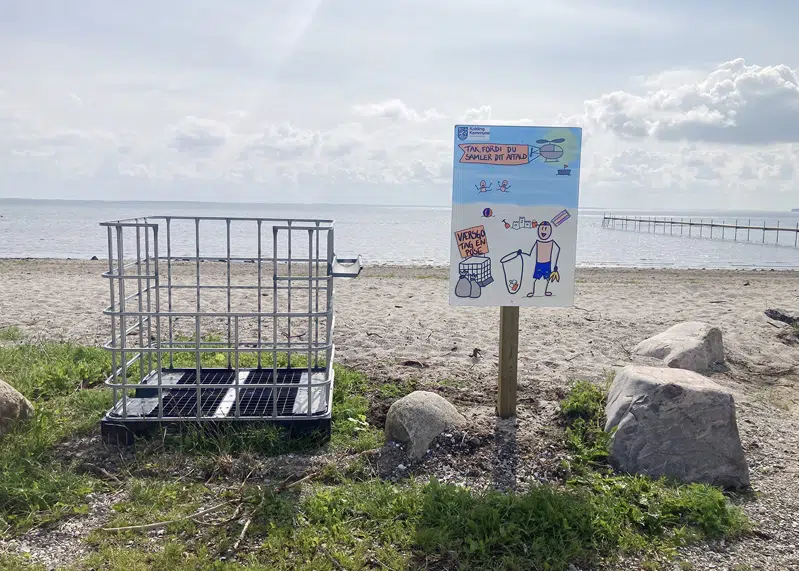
pixel 712 228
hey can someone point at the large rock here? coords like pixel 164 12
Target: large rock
pixel 676 423
pixel 13 407
pixel 417 418
pixel 692 345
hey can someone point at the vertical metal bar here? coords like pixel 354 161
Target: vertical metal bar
pixel 148 283
pixel 764 231
pixel 169 291
pixel 197 353
pixel 671 226
pixel 735 237
pixel 288 357
pixel 113 317
pixel 236 378
pixel 329 307
pixel 274 322
pixel 316 293
pixel 723 224
pixel 701 226
pixel 748 229
pixel 778 233
pixel 310 311
pixel 122 328
pixel 140 299
pixel 711 228
pixel 260 303
pixel 681 226
pixel 158 324
pixel 796 236
pixel 227 223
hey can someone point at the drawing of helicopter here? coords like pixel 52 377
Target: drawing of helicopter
pixel 550 150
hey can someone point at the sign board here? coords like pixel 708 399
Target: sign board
pixel 514 215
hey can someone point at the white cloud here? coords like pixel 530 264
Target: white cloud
pixel 735 103
pixel 477 114
pixel 396 110
pixel 199 136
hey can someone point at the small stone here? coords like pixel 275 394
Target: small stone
pixel 401 467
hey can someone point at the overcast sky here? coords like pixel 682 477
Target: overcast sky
pixel 684 104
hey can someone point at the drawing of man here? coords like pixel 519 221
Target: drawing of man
pixel 545 252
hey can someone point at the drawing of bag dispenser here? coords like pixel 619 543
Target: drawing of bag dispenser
pixel 513 268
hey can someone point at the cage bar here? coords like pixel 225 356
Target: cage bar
pixel 226 352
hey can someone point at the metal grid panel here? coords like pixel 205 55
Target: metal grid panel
pixel 192 323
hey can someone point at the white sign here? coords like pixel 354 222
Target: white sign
pixel 514 215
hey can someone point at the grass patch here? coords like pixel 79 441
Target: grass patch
pixel 46 370
pixel 11 333
pixel 36 488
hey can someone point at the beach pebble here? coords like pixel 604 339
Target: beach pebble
pixel 675 423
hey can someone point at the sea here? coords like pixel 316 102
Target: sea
pixel 408 235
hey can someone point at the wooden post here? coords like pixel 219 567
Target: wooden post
pixel 508 360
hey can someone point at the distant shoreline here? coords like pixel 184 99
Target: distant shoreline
pixel 376 268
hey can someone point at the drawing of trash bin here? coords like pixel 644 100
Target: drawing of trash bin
pixel 513 268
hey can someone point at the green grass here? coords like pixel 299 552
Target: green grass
pixel 348 519
pixel 11 333
pixel 35 487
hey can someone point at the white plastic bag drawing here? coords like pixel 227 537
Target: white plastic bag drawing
pixel 513 268
pixel 476 289
pixel 463 288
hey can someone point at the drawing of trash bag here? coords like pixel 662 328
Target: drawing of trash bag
pixel 513 268
pixel 464 287
pixel 476 290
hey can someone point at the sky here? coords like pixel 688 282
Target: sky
pixel 683 104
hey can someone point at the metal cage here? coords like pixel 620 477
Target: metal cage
pixel 204 335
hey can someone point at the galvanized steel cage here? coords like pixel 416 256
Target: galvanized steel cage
pixel 203 335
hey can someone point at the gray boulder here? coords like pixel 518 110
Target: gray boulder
pixel 675 423
pixel 417 418
pixel 692 345
pixel 13 407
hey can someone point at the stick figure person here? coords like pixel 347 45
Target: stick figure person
pixel 545 252
pixel 503 186
pixel 483 187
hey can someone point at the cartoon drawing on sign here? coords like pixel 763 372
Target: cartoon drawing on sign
pixel 561 217
pixel 483 187
pixel 535 171
pixel 545 253
pixel 513 269
pixel 475 269
pixel 549 150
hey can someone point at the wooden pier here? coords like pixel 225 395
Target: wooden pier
pixel 737 230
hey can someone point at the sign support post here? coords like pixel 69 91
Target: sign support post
pixel 508 360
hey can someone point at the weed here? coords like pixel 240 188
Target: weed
pixel 11 333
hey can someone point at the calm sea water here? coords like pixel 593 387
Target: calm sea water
pixel 396 235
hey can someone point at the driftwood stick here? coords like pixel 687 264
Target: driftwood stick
pixel 156 525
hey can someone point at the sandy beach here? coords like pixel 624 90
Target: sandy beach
pixel 395 324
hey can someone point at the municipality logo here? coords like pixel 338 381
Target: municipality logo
pixel 463 133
